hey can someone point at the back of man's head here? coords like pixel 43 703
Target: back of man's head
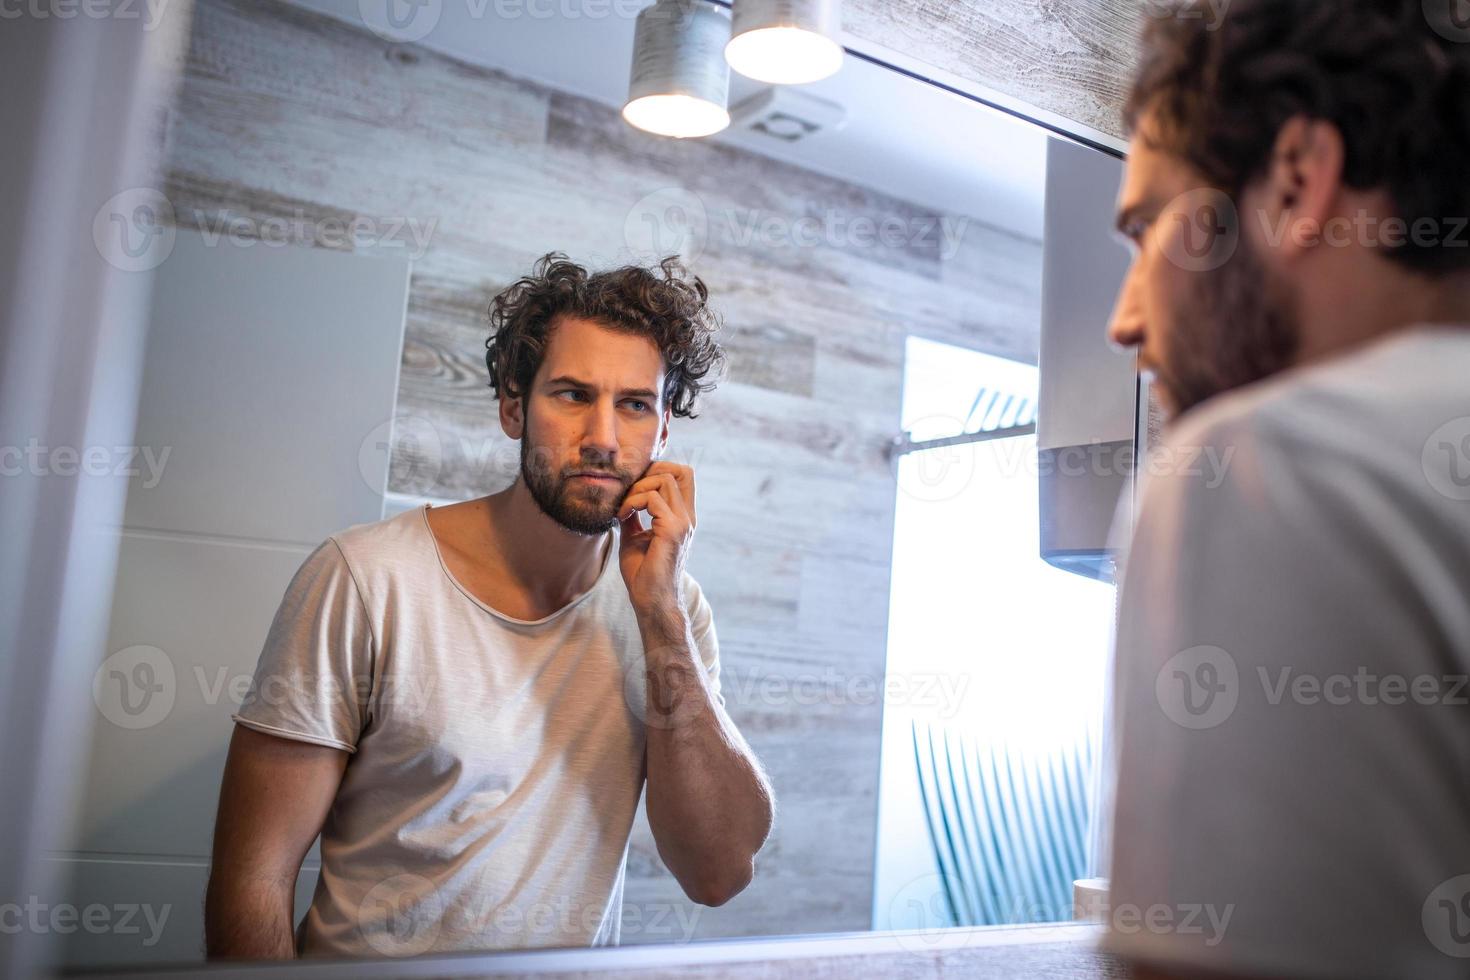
pixel 1392 75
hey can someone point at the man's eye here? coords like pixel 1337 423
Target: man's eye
pixel 1131 238
pixel 572 393
pixel 638 406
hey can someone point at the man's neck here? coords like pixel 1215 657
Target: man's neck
pixel 551 564
pixel 1451 301
pixel 1372 305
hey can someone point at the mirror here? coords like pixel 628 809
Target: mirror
pixel 345 195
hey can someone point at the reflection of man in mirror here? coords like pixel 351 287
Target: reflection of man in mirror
pixel 466 701
pixel 1292 714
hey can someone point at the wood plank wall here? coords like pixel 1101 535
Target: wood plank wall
pixel 1072 58
pixel 289 115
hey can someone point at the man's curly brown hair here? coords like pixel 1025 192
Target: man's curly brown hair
pixel 1392 75
pixel 664 303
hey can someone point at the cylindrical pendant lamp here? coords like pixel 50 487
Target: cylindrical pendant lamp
pixel 680 82
pixel 786 42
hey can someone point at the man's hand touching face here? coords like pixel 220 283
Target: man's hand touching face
pixel 653 559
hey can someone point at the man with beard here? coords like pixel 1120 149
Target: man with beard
pixel 1292 796
pixel 467 701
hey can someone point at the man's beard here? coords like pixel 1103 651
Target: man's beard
pixel 1237 327
pixel 588 510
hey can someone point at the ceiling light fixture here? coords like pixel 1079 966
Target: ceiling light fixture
pixel 786 42
pixel 680 84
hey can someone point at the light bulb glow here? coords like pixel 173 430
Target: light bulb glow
pixel 682 116
pixel 784 55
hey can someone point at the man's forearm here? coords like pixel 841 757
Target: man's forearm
pixel 249 919
pixel 709 804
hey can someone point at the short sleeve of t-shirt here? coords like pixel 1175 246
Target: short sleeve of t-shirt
pixel 315 672
pixel 702 625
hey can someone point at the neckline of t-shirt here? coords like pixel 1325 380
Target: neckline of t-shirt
pixel 1376 347
pixel 1437 330
pixel 609 548
pixel 1388 345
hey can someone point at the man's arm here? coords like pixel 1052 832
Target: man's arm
pixel 274 797
pixel 709 804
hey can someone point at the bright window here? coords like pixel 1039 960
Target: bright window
pixel 992 654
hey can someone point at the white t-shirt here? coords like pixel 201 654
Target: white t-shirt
pixel 1291 709
pixel 496 763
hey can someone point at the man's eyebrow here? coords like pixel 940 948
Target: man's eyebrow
pixel 567 379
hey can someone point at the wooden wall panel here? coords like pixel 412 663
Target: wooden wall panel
pixel 284 112
pixel 1073 58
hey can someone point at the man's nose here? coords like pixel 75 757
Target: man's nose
pixel 601 434
pixel 1126 327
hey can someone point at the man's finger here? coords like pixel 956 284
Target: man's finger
pixel 631 529
pixel 650 480
pixel 641 501
pixel 683 476
pixel 653 501
pixel 664 485
pixel 668 489
pixel 680 500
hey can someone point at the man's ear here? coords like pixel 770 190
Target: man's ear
pixel 513 417
pixel 1302 188
pixel 660 447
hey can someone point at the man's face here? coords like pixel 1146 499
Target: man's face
pixel 590 424
pixel 1200 304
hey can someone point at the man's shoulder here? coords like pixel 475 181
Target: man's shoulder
pixel 1362 462
pixel 382 543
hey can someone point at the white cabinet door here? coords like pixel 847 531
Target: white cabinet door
pixel 1089 391
pixel 270 379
